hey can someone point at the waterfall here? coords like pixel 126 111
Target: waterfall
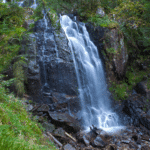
pixel 34 5
pixel 20 3
pixel 92 86
pixel 4 1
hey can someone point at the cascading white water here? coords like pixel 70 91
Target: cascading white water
pixel 92 89
pixel 4 1
pixel 20 3
pixel 34 5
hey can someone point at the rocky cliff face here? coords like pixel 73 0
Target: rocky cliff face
pixel 51 73
pixel 116 52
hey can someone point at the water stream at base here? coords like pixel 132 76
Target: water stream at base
pixel 92 86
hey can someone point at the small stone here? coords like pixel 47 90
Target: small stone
pixel 29 107
pixel 86 141
pixel 48 126
pixel 44 108
pixel 59 132
pixel 98 142
pixel 69 147
pixel 125 141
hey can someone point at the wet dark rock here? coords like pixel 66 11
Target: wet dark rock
pixel 99 142
pixel 86 137
pixel 69 147
pixel 145 137
pixel 65 118
pixel 86 140
pixel 145 147
pixel 51 68
pixel 133 106
pixel 133 145
pixel 60 132
pixel 111 147
pixel 28 48
pixel 141 88
pixel 48 126
pixel 62 102
pixel 105 134
pixel 43 108
pixel 135 137
pixel 99 131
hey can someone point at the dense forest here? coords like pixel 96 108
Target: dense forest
pixel 19 129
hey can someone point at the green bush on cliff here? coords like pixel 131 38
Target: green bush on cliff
pixel 103 21
pixel 119 90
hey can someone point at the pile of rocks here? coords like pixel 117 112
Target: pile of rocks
pixel 66 132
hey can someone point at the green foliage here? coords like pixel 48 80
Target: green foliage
pixel 135 76
pixel 111 50
pixel 11 33
pixel 119 90
pixel 54 19
pixel 20 77
pixel 103 21
pixel 17 130
pixel 38 11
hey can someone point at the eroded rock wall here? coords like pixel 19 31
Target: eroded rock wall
pixel 50 67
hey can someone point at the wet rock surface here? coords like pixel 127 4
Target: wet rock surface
pixel 62 128
pixel 116 51
pixel 141 88
pixel 51 74
pixel 133 106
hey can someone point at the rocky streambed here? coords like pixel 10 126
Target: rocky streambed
pixel 66 132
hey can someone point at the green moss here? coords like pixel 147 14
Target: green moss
pixel 111 50
pixel 119 91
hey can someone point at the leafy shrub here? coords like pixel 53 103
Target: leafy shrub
pixel 119 90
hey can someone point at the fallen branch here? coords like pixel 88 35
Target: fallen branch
pixel 55 140
pixel 70 137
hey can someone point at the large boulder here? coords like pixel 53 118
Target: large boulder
pixel 141 88
pixel 135 107
pixel 66 119
pixel 61 103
